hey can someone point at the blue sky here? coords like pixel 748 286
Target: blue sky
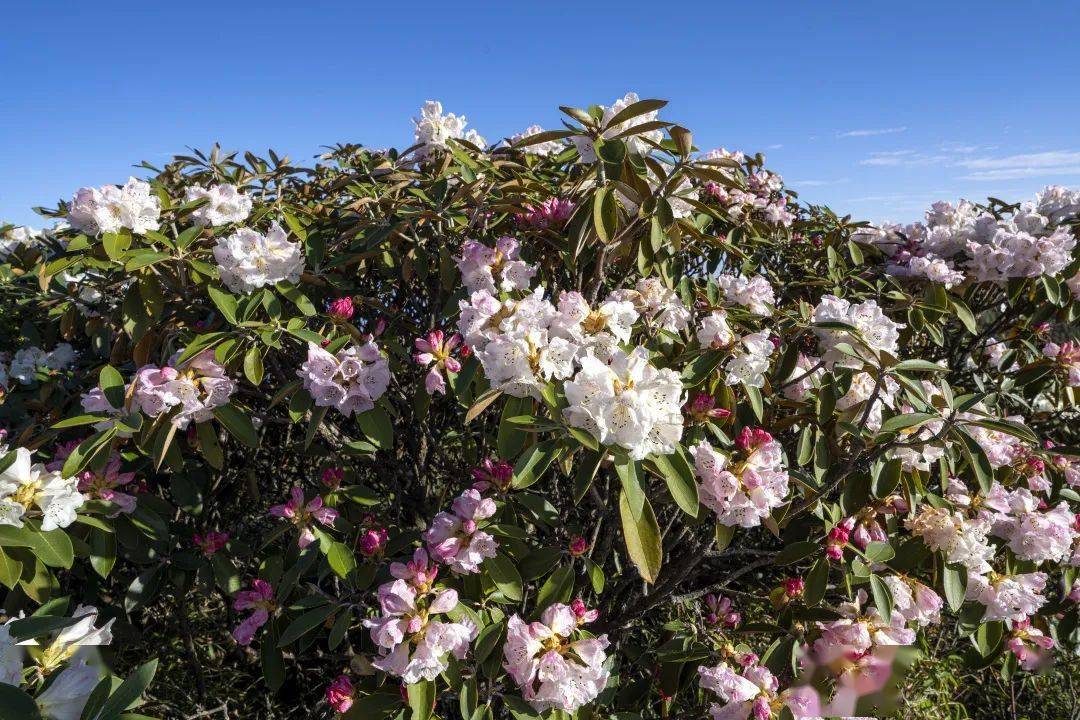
pixel 874 108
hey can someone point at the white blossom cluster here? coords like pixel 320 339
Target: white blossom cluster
pixel 27 362
pixel 434 130
pixel 874 331
pixel 224 204
pixel 109 208
pixel 965 242
pixel 249 260
pixel 29 490
pixel 351 381
pixel 615 394
pixel 546 148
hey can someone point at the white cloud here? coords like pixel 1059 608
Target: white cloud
pixel 1054 158
pixel 1021 172
pixel 902 158
pixel 818 183
pixel 871 133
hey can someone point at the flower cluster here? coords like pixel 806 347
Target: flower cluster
pixel 545 148
pixel 224 204
pixel 304 514
pixel 753 692
pixel 100 484
pixel 30 490
pixel 498 269
pixel 260 601
pixel 434 130
pixel 871 330
pixel 637 143
pixel 28 362
pixel 15 237
pixel 191 387
pixel 109 209
pixel 742 490
pixel 249 260
pixel 413 645
pixel 552 662
pixel 455 538
pixel 351 381
pixel 762 198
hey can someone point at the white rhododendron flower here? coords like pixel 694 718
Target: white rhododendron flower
pixel 27 489
pixel 962 540
pixel 755 293
pixel 225 204
pixel 627 402
pixel 714 330
pixel 751 360
pixel 553 664
pixel 249 260
pixel 1008 597
pixel 520 363
pixel 657 303
pixel 434 130
pixel 609 324
pixel 875 331
pixel 66 697
pixel 27 362
pixel 109 209
pixel 16 237
pixel 498 269
pixel 351 381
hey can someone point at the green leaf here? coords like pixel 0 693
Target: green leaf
pixel 224 302
pixel 817 582
pixel 626 469
pixel 52 548
pixel 17 705
pixel 883 599
pixel 534 462
pixel 679 476
pixel 238 424
pixel 642 536
pixel 954 581
pixel 253 365
pixel 129 691
pixel 796 551
pixel 377 426
pixel 112 385
pixel 596 575
pixel 906 420
pixel 341 559
pixel 753 394
pixel 305 624
pixel 505 575
pixel 604 214
pixel 557 588
pixel 373 706
pixel 976 459
pixel 421 699
pixel 879 552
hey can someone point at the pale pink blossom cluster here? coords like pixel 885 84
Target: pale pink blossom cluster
pixel 637 143
pixel 224 204
pixel 435 351
pixel 248 260
pixel 413 644
pixel 455 538
pixel 194 386
pixel 714 332
pixel 754 692
pixel 553 663
pixel 28 362
pixel 545 148
pixel 915 602
pixel 754 293
pixel 1028 243
pixel 1031 532
pixel 656 303
pixel 260 601
pixel 102 484
pixel 304 515
pixel 351 381
pixel 109 209
pixel 750 360
pixel 962 539
pixel 1008 597
pixel 762 199
pixel 1067 355
pixel 1030 645
pixel 494 269
pixel 743 489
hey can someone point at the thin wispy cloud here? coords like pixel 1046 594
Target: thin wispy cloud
pixel 902 158
pixel 872 133
pixel 1024 165
pixel 818 183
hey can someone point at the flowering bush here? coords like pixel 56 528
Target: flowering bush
pixel 584 424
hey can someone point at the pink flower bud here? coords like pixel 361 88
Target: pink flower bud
pixel 341 309
pixel 578 546
pixel 339 694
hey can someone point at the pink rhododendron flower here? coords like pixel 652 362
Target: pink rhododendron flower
pixel 435 351
pixel 340 693
pixel 260 600
pixel 702 408
pixel 102 484
pixel 413 644
pixel 340 309
pixel 742 491
pixel 304 515
pixel 1067 355
pixel 498 269
pixel 1029 645
pixel 211 542
pixel 578 546
pixel 494 474
pixel 1008 597
pixel 372 542
pixel 551 213
pixel 351 381
pixel 196 385
pixel 552 664
pixel 720 612
pixel 332 477
pixel 753 693
pixel 454 538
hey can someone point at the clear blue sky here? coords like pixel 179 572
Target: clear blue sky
pixel 875 108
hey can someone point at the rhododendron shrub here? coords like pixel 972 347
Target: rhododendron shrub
pixel 586 423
